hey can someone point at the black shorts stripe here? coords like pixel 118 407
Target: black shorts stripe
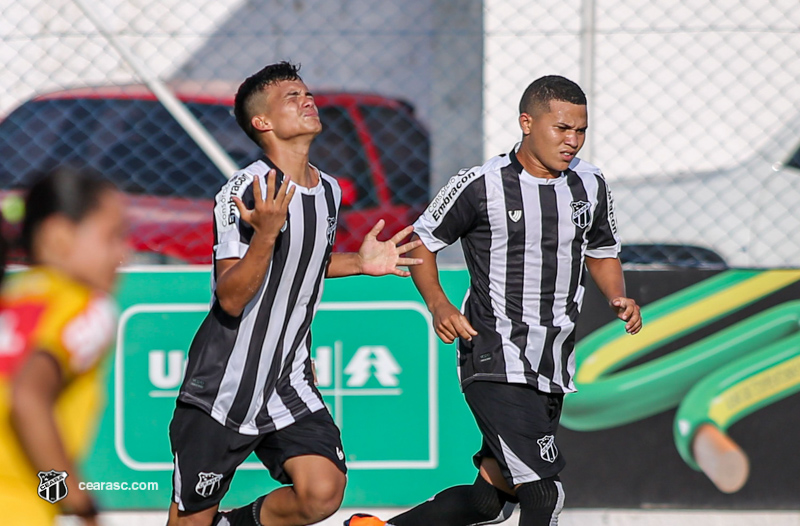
pixel 207 454
pixel 519 425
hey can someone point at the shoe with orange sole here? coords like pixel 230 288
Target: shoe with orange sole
pixel 362 519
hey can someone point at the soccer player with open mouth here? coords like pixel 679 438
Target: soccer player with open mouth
pixel 249 385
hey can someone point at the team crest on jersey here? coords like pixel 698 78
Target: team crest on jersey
pixel 547 448
pixel 581 213
pixel 208 483
pixel 515 215
pixel 331 231
pixel 52 485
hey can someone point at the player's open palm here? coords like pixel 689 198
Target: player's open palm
pixel 379 258
pixel 267 216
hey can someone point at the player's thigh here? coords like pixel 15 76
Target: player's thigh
pixel 518 424
pixel 491 473
pixel 205 455
pixel 316 478
pixel 307 454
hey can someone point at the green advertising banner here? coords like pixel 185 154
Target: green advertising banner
pixel 378 368
pixel 719 349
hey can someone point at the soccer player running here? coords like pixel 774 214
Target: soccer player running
pixel 249 383
pixel 528 222
pixel 57 323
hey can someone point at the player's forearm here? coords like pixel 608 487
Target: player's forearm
pixel 343 264
pixel 35 426
pixel 607 275
pixel 426 277
pixel 239 284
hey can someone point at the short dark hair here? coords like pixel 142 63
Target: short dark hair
pixel 63 191
pixel 255 83
pixel 541 91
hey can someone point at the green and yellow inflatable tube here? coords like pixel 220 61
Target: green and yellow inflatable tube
pixel 733 392
pixel 706 377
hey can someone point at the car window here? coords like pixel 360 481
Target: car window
pixel 30 138
pixel 143 150
pixel 134 143
pixel 339 152
pixel 669 255
pixel 403 147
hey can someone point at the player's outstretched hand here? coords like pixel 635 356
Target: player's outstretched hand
pixel 379 258
pixel 268 215
pixel 628 311
pixel 449 323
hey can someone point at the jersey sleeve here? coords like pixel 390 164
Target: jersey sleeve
pixel 603 238
pixel 451 214
pixel 77 332
pixel 231 234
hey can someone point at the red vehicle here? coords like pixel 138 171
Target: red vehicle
pixel 372 144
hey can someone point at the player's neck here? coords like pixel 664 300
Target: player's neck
pixel 292 159
pixel 534 166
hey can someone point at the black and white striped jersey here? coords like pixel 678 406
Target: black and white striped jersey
pixel 252 373
pixel 524 240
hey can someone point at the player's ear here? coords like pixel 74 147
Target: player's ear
pixel 261 123
pixel 54 239
pixel 525 123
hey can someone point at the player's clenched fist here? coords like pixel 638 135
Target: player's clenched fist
pixel 449 323
pixel 268 215
pixel 628 311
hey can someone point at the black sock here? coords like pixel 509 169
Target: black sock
pixel 249 515
pixel 479 503
pixel 540 502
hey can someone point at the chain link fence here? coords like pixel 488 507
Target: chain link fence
pixel 694 107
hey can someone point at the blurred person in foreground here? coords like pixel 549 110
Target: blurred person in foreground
pixel 57 322
pixel 249 385
pixel 531 223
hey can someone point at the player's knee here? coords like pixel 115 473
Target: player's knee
pixel 321 498
pixel 546 495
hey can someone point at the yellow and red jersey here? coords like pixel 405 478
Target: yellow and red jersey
pixel 44 310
